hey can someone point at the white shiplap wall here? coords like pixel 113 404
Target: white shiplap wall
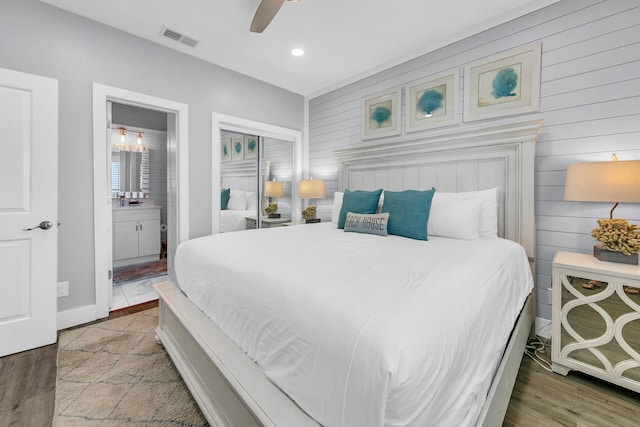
pixel 590 101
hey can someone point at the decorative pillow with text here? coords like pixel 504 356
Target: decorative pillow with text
pixel 367 223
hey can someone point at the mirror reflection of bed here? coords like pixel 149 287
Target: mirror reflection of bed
pixel 249 166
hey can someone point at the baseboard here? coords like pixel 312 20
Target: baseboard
pixel 543 327
pixel 76 316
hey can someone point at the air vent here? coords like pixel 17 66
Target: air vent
pixel 174 35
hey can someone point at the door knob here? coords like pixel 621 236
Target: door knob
pixel 44 225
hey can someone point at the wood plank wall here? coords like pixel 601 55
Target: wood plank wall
pixel 590 101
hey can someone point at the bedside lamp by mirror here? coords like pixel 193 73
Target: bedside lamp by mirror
pixel 614 182
pixel 311 189
pixel 273 189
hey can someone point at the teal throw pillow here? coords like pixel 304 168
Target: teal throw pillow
pixel 367 223
pixel 359 201
pixel 408 212
pixel 225 193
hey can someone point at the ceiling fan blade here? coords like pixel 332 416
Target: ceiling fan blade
pixel 265 13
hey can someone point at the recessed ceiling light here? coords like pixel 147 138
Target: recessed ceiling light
pixel 297 52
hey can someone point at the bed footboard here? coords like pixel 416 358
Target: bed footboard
pixel 228 387
pixel 232 391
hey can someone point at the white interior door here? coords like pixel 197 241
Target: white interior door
pixel 28 200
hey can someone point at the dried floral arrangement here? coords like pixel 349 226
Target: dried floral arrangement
pixel 309 213
pixel 618 235
pixel 271 208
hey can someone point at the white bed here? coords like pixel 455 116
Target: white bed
pixel 232 390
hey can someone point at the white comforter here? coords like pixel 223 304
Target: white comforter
pixel 363 330
pixel 233 220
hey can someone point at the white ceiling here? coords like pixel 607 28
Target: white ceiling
pixel 344 40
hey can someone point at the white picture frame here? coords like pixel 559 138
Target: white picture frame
pixel 237 147
pixel 433 101
pixel 225 150
pixel 382 114
pixel 504 84
pixel 250 147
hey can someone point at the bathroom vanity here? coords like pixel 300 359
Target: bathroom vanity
pixel 136 235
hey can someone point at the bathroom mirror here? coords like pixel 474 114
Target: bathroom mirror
pixel 130 172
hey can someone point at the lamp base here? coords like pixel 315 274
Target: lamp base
pixel 312 220
pixel 273 215
pixel 611 256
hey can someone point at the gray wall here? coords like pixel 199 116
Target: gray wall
pixel 590 101
pixel 40 39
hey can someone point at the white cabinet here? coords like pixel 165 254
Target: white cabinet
pixel 136 235
pixel 596 318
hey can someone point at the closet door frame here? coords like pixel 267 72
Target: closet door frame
pixel 221 122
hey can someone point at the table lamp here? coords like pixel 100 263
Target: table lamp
pixel 273 189
pixel 615 182
pixel 311 189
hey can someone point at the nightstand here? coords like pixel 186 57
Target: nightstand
pixel 266 222
pixel 596 319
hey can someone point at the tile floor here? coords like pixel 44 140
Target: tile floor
pixel 136 292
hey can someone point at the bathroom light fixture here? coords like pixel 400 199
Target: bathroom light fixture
pixel 123 134
pixel 297 52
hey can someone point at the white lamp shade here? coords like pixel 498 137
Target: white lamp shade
pixel 312 189
pixel 615 181
pixel 274 189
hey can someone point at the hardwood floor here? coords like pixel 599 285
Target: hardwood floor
pixel 540 398
pixel 27 387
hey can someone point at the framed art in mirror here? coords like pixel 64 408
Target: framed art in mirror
pixel 225 153
pixel 237 147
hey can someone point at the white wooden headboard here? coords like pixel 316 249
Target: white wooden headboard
pixel 472 158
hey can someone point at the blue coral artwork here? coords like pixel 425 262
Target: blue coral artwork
pixel 251 146
pixel 500 86
pixel 504 84
pixel 380 115
pixel 431 102
pixel 237 148
pixel 226 150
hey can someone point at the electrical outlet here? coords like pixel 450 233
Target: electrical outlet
pixel 63 289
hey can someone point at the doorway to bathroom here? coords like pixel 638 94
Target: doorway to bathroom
pixel 139 188
pixel 132 223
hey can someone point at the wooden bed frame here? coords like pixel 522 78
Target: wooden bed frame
pixel 230 388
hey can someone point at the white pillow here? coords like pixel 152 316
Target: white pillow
pixel 252 201
pixel 237 200
pixel 489 208
pixel 455 218
pixel 337 206
pixel 380 202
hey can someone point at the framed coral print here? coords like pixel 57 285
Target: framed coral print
pixel 433 101
pixel 225 154
pixel 237 147
pixel 503 85
pixel 381 114
pixel 250 146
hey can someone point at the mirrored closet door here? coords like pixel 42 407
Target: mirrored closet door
pixel 256 181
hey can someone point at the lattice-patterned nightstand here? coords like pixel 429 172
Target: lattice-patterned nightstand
pixel 596 318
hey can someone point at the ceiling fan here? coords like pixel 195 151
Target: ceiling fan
pixel 266 12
